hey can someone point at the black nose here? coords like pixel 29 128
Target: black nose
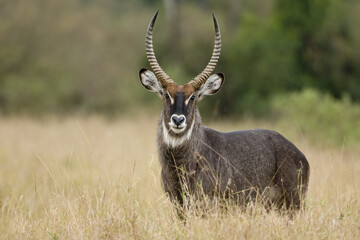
pixel 177 120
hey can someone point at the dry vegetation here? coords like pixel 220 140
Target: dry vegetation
pixel 89 178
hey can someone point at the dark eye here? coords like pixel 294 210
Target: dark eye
pixel 192 97
pixel 167 95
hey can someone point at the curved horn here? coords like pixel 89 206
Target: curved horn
pixel 162 77
pixel 205 74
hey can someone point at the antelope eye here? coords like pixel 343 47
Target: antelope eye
pixel 167 95
pixel 192 97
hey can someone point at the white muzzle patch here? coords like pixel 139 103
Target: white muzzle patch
pixel 177 123
pixel 174 141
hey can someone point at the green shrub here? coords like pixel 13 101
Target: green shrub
pixel 320 116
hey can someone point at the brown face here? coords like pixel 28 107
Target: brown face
pixel 180 102
pixel 179 108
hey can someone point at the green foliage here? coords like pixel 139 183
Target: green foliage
pixel 321 116
pixel 300 44
pixel 53 235
pixel 327 53
pixel 261 64
pixel 62 56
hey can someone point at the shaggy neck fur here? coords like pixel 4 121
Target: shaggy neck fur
pixel 176 141
pixel 168 139
pixel 177 152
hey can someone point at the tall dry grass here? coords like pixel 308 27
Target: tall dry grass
pixel 90 178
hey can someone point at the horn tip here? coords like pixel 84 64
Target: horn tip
pixel 155 15
pixel 152 22
pixel 215 23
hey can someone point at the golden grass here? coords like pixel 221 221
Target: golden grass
pixel 89 178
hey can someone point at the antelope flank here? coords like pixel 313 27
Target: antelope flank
pixel 198 160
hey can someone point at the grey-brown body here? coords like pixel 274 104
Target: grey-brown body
pixel 198 161
pixel 239 164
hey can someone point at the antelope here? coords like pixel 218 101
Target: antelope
pixel 237 165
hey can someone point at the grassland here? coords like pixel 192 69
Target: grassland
pixel 90 178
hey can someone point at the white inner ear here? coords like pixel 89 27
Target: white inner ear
pixel 211 86
pixel 151 83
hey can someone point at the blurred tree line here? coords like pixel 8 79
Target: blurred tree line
pixel 61 56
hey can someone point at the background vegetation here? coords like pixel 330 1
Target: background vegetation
pixel 66 172
pixel 90 178
pixel 61 56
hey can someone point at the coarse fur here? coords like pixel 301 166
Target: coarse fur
pixel 242 165
pixel 198 161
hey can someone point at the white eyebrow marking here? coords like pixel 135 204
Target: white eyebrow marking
pixel 187 100
pixel 171 99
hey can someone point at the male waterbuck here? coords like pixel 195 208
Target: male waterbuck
pixel 195 159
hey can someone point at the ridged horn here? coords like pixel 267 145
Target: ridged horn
pixel 162 77
pixel 200 79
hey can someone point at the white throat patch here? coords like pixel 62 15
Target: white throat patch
pixel 176 141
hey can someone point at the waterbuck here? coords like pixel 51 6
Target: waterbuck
pixel 197 160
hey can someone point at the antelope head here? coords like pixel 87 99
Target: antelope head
pixel 180 101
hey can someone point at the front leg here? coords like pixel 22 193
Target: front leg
pixel 172 185
pixel 177 187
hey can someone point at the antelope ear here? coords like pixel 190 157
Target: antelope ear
pixel 211 86
pixel 150 82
